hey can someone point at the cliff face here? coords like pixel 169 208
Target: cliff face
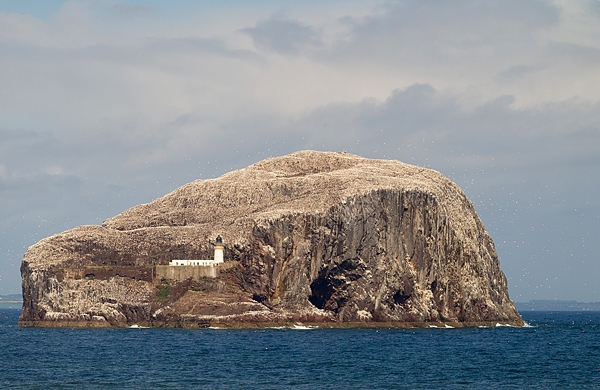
pixel 312 236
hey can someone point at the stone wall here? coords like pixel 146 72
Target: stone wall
pixel 184 272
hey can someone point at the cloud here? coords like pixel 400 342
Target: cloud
pixel 12 135
pixel 446 30
pixel 3 172
pixel 284 36
pixel 578 54
pixel 517 72
pixel 560 135
pixel 191 46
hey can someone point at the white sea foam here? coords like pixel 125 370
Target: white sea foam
pixel 135 326
pixel 499 325
pixel 303 327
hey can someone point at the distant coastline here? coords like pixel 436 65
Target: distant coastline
pixel 556 305
pixel 11 297
pixel 11 301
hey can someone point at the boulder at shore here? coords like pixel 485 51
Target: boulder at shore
pixel 321 238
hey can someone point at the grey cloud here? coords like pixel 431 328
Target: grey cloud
pixel 481 20
pixel 405 114
pixel 203 45
pixel 160 50
pixel 284 36
pixel 15 190
pixel 422 125
pixel 592 6
pixel 24 151
pixel 151 52
pixel 414 32
pixel 12 135
pixel 576 53
pixel 471 21
pixel 518 72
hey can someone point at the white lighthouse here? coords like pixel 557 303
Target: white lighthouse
pixel 218 250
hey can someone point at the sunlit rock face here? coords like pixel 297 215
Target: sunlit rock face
pixel 312 236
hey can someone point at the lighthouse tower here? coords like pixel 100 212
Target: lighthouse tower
pixel 218 250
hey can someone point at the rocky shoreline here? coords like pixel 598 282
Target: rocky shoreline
pixel 268 325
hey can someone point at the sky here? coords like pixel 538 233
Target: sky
pixel 108 104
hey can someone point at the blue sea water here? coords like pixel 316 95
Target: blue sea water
pixel 560 350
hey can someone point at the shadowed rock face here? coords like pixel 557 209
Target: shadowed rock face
pixel 314 236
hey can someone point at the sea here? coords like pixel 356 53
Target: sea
pixel 556 350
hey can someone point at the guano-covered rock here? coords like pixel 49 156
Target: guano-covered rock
pixel 315 237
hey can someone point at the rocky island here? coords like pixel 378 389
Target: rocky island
pixel 322 238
